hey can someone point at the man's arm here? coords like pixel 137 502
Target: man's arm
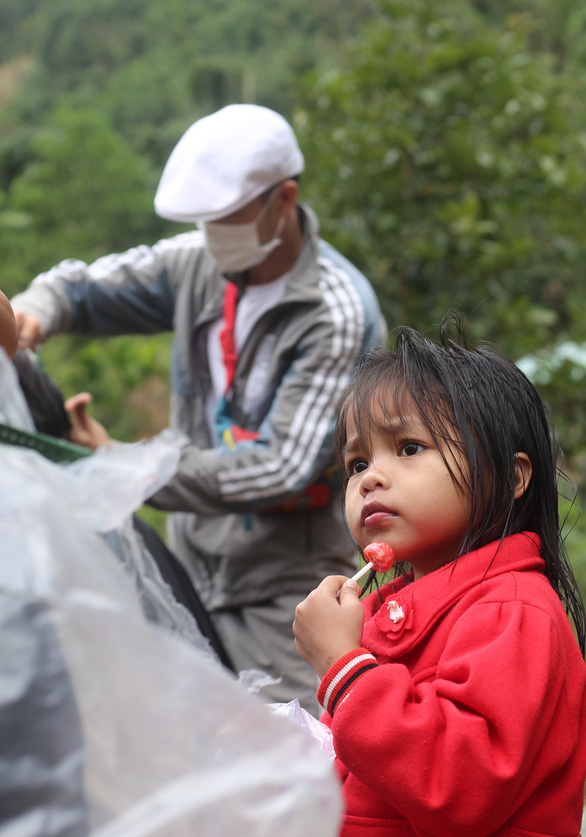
pixel 123 293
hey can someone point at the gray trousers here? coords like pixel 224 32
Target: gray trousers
pixel 261 637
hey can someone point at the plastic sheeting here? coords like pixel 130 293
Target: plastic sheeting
pixel 303 720
pixel 115 718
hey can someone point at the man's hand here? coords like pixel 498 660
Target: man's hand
pixel 85 430
pixel 30 333
pixel 327 627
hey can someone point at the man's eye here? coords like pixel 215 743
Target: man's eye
pixel 411 448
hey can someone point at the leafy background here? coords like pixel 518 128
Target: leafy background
pixel 445 146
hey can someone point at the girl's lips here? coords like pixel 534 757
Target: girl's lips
pixel 375 515
pixel 373 521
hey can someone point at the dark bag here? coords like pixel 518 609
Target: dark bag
pixel 176 576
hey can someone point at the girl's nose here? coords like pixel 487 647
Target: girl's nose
pixel 372 479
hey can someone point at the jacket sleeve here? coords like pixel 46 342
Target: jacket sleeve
pixel 295 439
pixel 454 750
pixel 123 293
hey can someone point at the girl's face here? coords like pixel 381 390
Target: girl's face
pixel 400 490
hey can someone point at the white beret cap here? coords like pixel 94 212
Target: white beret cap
pixel 224 161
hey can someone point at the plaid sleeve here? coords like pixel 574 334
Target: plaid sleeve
pixel 340 678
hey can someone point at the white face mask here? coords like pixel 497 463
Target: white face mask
pixel 236 247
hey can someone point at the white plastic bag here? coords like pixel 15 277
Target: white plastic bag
pixel 112 725
pixel 304 720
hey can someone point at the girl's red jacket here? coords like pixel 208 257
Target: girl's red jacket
pixel 464 714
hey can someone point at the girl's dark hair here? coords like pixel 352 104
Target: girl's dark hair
pixel 477 404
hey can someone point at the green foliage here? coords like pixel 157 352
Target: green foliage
pixel 96 172
pixel 558 28
pixel 574 533
pixel 156 65
pixel 14 18
pixel 87 38
pixel 562 384
pixel 446 165
pixel 83 190
pixel 127 376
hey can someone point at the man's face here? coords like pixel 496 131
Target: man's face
pixel 245 238
pixel 260 211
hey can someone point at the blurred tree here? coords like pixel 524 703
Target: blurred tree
pixel 84 192
pixel 556 27
pixel 82 41
pixel 446 163
pixel 156 65
pixel 14 18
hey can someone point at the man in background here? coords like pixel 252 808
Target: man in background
pixel 270 322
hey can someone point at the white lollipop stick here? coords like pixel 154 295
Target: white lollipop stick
pixel 381 558
pixel 362 571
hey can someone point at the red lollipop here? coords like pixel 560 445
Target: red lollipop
pixel 379 555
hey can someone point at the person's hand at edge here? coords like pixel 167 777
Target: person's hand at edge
pixel 85 430
pixel 30 332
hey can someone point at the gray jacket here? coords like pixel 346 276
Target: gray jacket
pixel 225 527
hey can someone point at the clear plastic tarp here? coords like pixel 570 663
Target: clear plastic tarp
pixel 116 719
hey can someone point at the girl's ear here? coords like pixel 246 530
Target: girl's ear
pixel 523 474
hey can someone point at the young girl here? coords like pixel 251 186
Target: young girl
pixel 456 693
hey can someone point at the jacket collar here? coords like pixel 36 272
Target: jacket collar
pixel 302 285
pixel 425 601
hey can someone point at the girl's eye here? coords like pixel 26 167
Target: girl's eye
pixel 411 448
pixel 356 466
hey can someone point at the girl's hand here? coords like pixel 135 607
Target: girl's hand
pixel 327 627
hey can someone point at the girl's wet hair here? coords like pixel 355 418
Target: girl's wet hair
pixel 477 404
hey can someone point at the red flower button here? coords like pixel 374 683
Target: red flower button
pixel 395 617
